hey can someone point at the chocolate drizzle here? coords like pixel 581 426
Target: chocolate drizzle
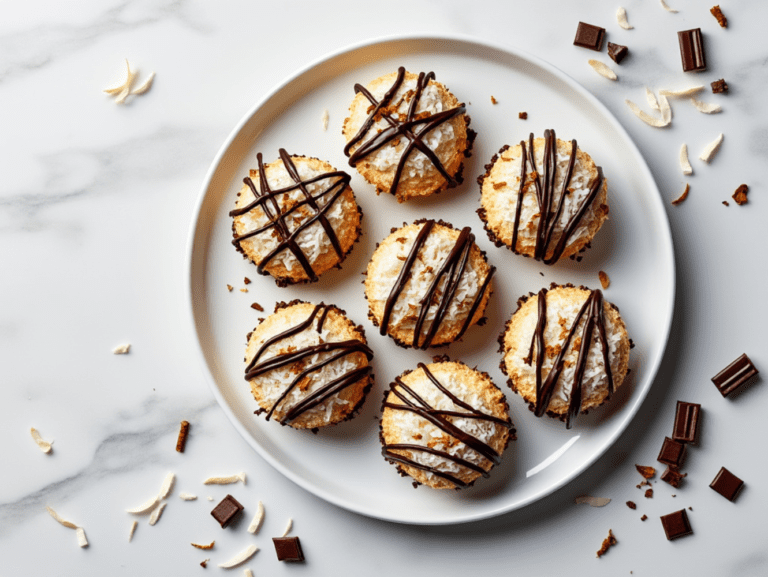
pixel 453 268
pixel 549 215
pixel 412 128
pixel 593 307
pixel 413 403
pixel 267 200
pixel 343 348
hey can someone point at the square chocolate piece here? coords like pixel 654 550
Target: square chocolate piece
pixel 589 36
pixel 692 50
pixel 671 453
pixel 617 52
pixel 673 476
pixel 227 511
pixel 676 524
pixel 288 548
pixel 734 375
pixel 686 422
pixel 727 484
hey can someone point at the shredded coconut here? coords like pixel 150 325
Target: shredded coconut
pixel 711 149
pixel 667 8
pixel 225 480
pixel 258 519
pixel 187 497
pixel 602 69
pixel 685 165
pixel 288 527
pixel 132 530
pixel 155 516
pixel 705 107
pixel 621 18
pixel 241 557
pixel 45 446
pixel 122 349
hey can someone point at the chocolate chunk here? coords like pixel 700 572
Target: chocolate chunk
pixel 673 476
pixel 719 86
pixel 727 484
pixel 686 422
pixel 644 517
pixel 721 19
pixel 671 453
pixel 522 115
pixel 676 524
pixel 227 511
pixel 692 50
pixel 631 505
pixel 740 195
pixel 734 375
pixel 589 36
pixel 288 548
pixel 649 493
pixel 181 442
pixel 617 52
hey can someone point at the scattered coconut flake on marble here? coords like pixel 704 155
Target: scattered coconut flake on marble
pixel 146 85
pixel 55 515
pixel 621 17
pixel 645 117
pixel 593 501
pixel 711 149
pixel 684 92
pixel 650 97
pixel 129 78
pixel 240 558
pixel 666 109
pixel 247 573
pixel 683 196
pixel 187 497
pixel 144 507
pixel 705 107
pixel 325 119
pixel 167 486
pixel 132 530
pixel 210 498
pixel 155 516
pixel 258 519
pixel 122 349
pixel 684 163
pixel 225 480
pixel 602 69
pixel 667 8
pixel 208 546
pixel 81 540
pixel 45 446
pixel 288 527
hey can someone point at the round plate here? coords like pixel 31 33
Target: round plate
pixel 344 465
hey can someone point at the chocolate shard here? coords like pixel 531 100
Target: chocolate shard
pixel 676 524
pixel 227 511
pixel 686 422
pixel 734 375
pixel 671 453
pixel 617 52
pixel 692 50
pixel 719 86
pixel 673 476
pixel 727 484
pixel 589 36
pixel 288 548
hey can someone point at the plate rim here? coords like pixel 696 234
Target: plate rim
pixel 192 247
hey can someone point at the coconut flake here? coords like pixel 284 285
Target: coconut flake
pixel 55 515
pixel 602 69
pixel 119 89
pixel 666 109
pixel 146 85
pixel 651 98
pixel 684 92
pixel 126 88
pixel 247 573
pixel 132 530
pixel 709 151
pixel 705 107
pixel 683 196
pixel 667 8
pixel 241 557
pixel 155 516
pixel 645 117
pixel 684 163
pixel 81 540
pixel 288 527
pixel 621 17
pixel 208 546
pixel 187 497
pixel 258 519
pixel 324 119
pixel 593 501
pixel 145 507
pixel 167 485
pixel 45 446
pixel 122 349
pixel 225 480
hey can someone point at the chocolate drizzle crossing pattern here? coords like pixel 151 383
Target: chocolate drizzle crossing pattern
pixel 266 199
pixel 341 349
pixel 412 128
pixel 413 403
pixel 452 268
pixel 545 197
pixel 593 308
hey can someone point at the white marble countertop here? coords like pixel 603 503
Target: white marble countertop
pixel 95 206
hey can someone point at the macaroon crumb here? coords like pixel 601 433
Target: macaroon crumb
pixel 605 282
pixel 522 115
pixel 740 196
pixel 608 542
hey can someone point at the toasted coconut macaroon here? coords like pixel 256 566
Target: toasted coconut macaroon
pixel 407 135
pixel 427 283
pixel 565 350
pixel 561 181
pixel 295 218
pixel 308 365
pixel 444 424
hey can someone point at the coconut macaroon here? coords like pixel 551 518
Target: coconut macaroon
pixel 295 218
pixel 560 181
pixel 308 365
pixel 407 135
pixel 427 283
pixel 445 424
pixel 565 350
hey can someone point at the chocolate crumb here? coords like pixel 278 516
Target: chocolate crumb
pixel 649 493
pixel 631 505
pixel 721 19
pixel 673 476
pixel 522 115
pixel 719 86
pixel 608 542
pixel 683 196
pixel 258 307
pixel 181 442
pixel 493 100
pixel 644 517
pixel 230 287
pixel 646 472
pixel 204 563
pixel 243 290
pixel 246 280
pixel 725 203
pixel 740 196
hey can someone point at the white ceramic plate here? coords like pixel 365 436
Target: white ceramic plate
pixel 343 465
